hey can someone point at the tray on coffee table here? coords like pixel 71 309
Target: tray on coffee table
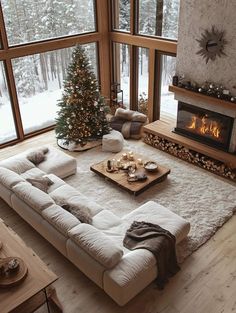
pixel 119 177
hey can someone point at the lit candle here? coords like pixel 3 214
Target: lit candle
pixel 124 156
pixel 140 161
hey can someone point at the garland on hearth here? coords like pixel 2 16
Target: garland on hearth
pixel 208 88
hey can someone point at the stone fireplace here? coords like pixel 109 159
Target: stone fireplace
pixel 203 125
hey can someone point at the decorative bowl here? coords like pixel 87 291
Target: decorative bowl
pixel 151 166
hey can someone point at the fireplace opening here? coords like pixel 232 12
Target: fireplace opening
pixel 206 126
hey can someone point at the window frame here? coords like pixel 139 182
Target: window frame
pixel 157 46
pixel 8 53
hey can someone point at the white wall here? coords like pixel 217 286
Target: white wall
pixel 195 17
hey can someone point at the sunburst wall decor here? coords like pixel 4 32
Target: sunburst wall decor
pixel 212 44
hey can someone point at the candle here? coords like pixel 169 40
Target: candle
pixel 140 161
pixel 118 163
pixel 124 156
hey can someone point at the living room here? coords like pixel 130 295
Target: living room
pixel 150 57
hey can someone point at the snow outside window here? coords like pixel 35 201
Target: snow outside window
pixel 143 72
pixel 121 61
pixel 28 21
pixel 159 18
pixel 121 15
pixel 168 103
pixel 7 125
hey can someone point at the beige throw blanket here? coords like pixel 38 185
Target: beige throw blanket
pixel 143 235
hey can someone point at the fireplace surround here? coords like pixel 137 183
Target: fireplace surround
pixel 209 127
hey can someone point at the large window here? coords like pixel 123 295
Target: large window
pixel 121 15
pixel 28 20
pixel 159 18
pixel 7 126
pixel 39 82
pixel 143 73
pixel 121 57
pixel 168 105
pixel 33 82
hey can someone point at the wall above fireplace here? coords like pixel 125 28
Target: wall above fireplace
pixel 195 18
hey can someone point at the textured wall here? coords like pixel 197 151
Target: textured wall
pixel 195 17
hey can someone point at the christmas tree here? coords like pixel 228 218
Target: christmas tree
pixel 82 115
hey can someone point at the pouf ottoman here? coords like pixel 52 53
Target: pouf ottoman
pixel 112 142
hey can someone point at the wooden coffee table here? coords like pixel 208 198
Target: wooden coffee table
pixel 32 292
pixel 120 177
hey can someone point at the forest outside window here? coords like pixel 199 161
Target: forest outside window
pixel 143 73
pixel 39 82
pixel 159 18
pixel 121 15
pixel 121 59
pixel 27 21
pixel 7 125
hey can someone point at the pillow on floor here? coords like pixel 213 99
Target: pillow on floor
pixel 83 215
pixel 42 183
pixel 38 156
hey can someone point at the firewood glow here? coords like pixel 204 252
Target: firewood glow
pixel 204 126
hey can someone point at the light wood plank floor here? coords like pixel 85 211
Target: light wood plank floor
pixel 206 283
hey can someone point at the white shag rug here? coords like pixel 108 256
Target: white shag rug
pixel 204 199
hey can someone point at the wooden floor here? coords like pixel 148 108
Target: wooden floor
pixel 206 283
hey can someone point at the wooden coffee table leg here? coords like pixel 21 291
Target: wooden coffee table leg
pixel 53 299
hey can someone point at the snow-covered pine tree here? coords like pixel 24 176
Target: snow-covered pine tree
pixel 82 115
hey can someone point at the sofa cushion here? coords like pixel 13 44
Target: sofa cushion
pixel 9 178
pixel 66 194
pixel 60 219
pixel 97 244
pixel 34 197
pixel 18 164
pixel 155 213
pixel 32 173
pixel 58 163
pixel 57 182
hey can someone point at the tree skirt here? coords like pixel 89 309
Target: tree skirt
pixel 204 199
pixel 77 147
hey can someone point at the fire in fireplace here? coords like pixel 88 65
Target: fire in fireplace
pixel 209 127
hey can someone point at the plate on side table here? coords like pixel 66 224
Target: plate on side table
pixel 15 277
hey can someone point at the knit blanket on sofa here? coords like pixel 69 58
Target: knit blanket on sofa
pixel 143 235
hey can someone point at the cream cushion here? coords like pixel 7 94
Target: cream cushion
pixel 97 244
pixel 34 197
pixel 18 164
pixel 9 178
pixel 60 219
pixel 58 163
pixel 112 142
pixel 67 194
pixel 155 213
pixel 32 173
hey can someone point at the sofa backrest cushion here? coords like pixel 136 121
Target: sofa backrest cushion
pixel 33 196
pixel 60 219
pixel 18 164
pixel 97 244
pixel 9 178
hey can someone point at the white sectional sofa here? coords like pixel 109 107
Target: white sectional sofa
pixel 96 249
